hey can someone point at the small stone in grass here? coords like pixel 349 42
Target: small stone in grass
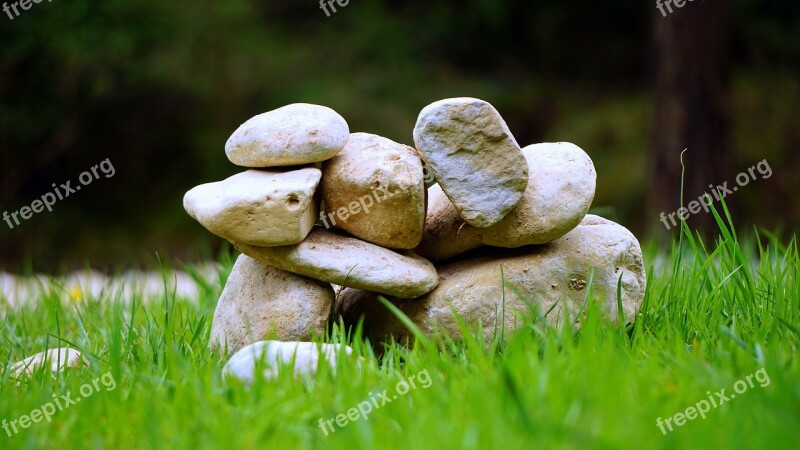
pixel 305 356
pixel 57 359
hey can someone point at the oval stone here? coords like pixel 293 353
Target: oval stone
pixel 296 134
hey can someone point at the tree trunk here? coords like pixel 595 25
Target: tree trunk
pixel 691 109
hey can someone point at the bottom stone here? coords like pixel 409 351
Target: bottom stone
pixel 548 276
pixel 260 302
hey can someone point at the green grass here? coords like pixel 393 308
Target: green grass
pixel 713 314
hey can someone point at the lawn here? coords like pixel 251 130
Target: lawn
pixel 714 314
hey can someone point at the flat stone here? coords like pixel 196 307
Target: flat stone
pixel 347 261
pixel 474 157
pixel 263 302
pixel 57 359
pixel 549 276
pixel 274 355
pixel 258 207
pixel 375 190
pixel 559 194
pixel 293 135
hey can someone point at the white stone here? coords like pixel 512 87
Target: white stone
pixel 275 354
pixel 57 359
pixel 293 135
pixel 257 207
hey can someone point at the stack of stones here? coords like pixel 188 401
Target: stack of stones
pixel 327 221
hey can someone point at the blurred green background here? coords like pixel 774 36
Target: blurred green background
pixel 158 86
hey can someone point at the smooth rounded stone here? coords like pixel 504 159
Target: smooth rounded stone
pixel 472 154
pixel 548 276
pixel 347 261
pixel 274 354
pixel 261 301
pixel 293 135
pixel 258 207
pixel 375 190
pixel 560 191
pixel 57 359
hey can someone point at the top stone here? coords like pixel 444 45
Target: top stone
pixel 296 134
pixel 472 154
